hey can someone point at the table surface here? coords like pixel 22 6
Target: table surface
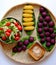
pixel 5 5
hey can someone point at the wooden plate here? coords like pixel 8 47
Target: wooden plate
pixel 23 57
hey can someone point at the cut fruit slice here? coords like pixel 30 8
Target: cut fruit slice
pixel 28 28
pixel 27 19
pixel 27 15
pixel 29 7
pixel 27 11
pixel 28 24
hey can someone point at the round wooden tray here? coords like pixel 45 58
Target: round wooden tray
pixel 23 57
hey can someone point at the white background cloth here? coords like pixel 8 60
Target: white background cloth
pixel 5 5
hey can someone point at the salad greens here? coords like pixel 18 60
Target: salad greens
pixel 10 30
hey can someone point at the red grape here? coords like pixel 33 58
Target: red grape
pixel 51 24
pixel 39 30
pixel 31 39
pixel 48 44
pixel 47 18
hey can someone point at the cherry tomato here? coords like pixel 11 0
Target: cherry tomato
pixel 19 27
pixel 17 38
pixel 17 35
pixel 16 23
pixel 7 33
pixel 1 28
pixel 3 37
pixel 8 30
pixel 8 24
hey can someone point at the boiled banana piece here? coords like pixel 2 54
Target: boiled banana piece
pixel 28 11
pixel 27 15
pixel 29 28
pixel 27 19
pixel 28 24
pixel 28 7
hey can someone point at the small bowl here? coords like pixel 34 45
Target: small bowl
pixel 8 37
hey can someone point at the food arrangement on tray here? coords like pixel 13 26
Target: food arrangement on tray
pixel 28 33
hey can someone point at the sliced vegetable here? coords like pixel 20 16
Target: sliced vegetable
pixel 1 28
pixel 17 34
pixel 8 30
pixel 16 23
pixel 19 27
pixel 17 38
pixel 7 33
pixel 3 37
pixel 8 24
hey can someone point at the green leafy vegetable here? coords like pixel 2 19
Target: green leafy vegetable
pixel 13 53
pixel 29 45
pixel 24 38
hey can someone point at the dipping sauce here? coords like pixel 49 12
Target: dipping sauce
pixel 36 51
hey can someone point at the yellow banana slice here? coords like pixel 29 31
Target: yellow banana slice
pixel 28 24
pixel 27 19
pixel 29 28
pixel 29 7
pixel 27 15
pixel 28 11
